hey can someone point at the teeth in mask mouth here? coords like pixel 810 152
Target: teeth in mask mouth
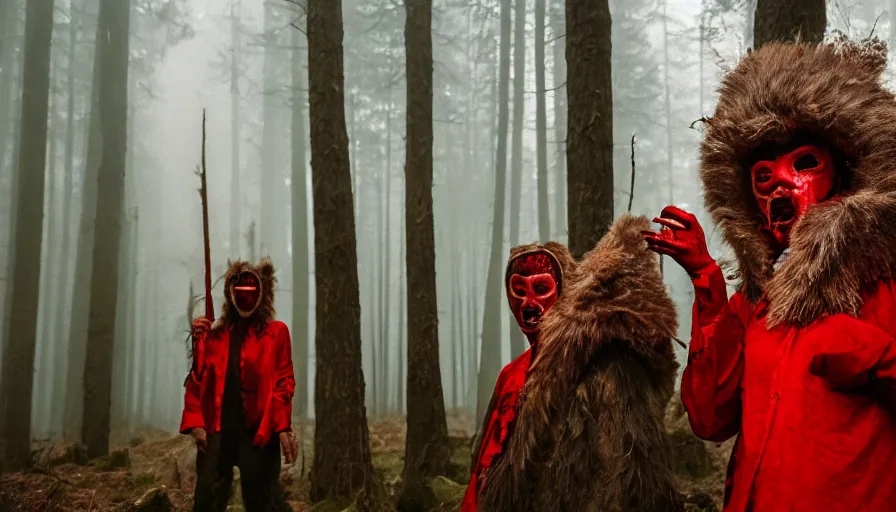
pixel 531 317
pixel 782 210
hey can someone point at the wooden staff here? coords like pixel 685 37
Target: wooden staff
pixel 203 194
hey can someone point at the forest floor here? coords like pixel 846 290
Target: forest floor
pixel 153 471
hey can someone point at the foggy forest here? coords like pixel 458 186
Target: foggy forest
pixel 389 250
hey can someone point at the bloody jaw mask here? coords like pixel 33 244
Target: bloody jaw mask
pixel 533 289
pixel 787 186
pixel 246 293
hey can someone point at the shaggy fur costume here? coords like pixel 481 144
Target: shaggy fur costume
pixel 264 313
pixel 843 246
pixel 589 433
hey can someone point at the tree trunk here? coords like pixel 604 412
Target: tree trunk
pixel 48 348
pixel 518 343
pixel 270 178
pixel 750 14
pixel 341 465
pixel 426 449
pixel 402 318
pixel 780 20
pixel 114 20
pixel 541 124
pixel 8 18
pixel 301 282
pixel 589 143
pixel 83 258
pixel 18 350
pixel 474 351
pixel 61 292
pixel 236 203
pixel 490 360
pixel 386 287
pixel 559 84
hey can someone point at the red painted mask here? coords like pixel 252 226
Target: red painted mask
pixel 787 186
pixel 533 288
pixel 246 292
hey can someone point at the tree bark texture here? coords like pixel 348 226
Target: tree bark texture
pixel 789 20
pixel 17 381
pixel 426 447
pixel 114 20
pixel 80 307
pixel 589 141
pixel 541 124
pixel 518 343
pixel 301 282
pixel 558 75
pixel 341 467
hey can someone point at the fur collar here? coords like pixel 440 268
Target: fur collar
pixel 265 311
pixel 842 246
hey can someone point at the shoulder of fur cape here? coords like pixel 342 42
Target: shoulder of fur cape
pixel 604 346
pixel 834 91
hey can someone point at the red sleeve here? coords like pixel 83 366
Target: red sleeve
pixel 284 382
pixel 879 310
pixel 192 414
pixel 711 383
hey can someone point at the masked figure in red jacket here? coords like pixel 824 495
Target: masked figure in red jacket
pixel 799 172
pixel 238 401
pixel 576 422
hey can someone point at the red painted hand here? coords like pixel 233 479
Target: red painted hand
pixel 200 437
pixel 201 327
pixel 289 447
pixel 681 238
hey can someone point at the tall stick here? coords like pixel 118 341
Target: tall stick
pixel 203 194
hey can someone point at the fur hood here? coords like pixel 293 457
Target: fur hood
pixel 265 312
pixel 598 388
pixel 841 246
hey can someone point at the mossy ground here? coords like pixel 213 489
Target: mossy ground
pixel 150 461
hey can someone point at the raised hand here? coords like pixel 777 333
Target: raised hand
pixel 201 327
pixel 681 238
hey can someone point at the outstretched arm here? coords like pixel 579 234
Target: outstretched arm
pixel 710 387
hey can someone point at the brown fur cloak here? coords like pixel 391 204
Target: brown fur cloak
pixel 589 434
pixel 842 246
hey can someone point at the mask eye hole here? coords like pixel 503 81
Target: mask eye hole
pixel 762 175
pixel 541 289
pixel 806 162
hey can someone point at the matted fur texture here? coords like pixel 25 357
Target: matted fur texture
pixel 265 312
pixel 842 246
pixel 589 435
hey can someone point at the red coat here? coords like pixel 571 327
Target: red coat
pixel 267 379
pixel 804 442
pixel 498 423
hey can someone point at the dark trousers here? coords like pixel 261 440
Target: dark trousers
pixel 259 473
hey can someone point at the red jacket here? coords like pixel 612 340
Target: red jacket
pixel 499 418
pixel 805 443
pixel 267 379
